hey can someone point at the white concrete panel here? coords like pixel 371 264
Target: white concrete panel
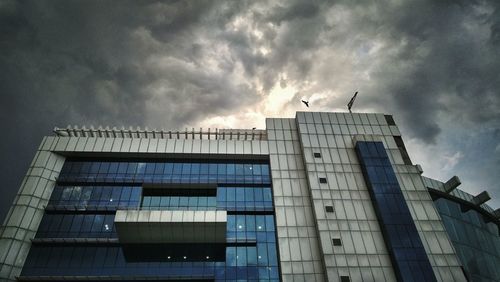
pixel 89 145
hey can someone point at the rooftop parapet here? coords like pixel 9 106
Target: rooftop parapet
pixel 207 134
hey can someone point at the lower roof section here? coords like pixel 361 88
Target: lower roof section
pixel 437 189
pixel 146 226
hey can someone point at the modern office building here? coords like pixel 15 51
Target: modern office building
pixel 473 228
pixel 318 197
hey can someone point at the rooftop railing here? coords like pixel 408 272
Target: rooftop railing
pixel 201 134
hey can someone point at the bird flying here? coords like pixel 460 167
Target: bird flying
pixel 305 103
pixel 349 105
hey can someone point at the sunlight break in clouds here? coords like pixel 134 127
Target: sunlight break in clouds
pixel 273 105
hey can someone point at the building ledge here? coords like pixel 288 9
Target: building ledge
pixel 201 134
pixel 75 241
pixel 115 278
pixel 150 226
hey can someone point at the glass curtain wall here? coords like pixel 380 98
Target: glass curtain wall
pixel 476 241
pixel 89 192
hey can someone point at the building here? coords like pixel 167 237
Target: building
pixel 318 197
pixel 472 226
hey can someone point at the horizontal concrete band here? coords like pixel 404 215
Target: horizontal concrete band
pixel 141 226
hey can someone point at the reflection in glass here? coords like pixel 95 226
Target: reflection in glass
pixel 88 193
pixel 476 240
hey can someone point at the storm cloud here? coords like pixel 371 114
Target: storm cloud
pixel 434 65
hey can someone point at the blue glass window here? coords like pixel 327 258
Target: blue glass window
pixel 89 192
pixel 75 225
pixel 475 239
pixel 400 233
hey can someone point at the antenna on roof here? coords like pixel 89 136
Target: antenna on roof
pixel 349 105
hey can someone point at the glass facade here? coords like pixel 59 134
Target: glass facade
pixel 88 193
pixel 401 236
pixel 165 172
pixel 476 241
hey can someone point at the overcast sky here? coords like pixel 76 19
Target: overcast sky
pixel 434 65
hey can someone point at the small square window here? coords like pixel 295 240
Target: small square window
pixel 329 208
pixel 322 180
pixel 337 242
pixel 345 279
pixel 317 155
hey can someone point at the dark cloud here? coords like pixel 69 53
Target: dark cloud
pixel 301 10
pixel 449 66
pixel 171 64
pixel 99 63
